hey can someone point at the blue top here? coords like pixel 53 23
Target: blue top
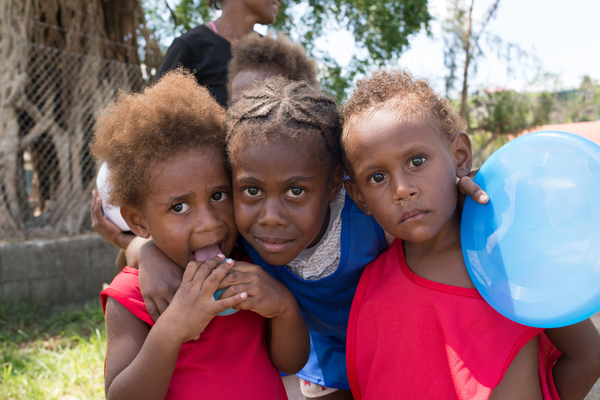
pixel 325 303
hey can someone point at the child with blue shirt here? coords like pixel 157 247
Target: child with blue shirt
pixel 295 219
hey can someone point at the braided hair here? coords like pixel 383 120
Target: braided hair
pixel 282 109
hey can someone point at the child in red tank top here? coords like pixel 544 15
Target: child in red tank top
pixel 418 327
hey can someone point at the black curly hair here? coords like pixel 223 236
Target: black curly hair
pixel 278 54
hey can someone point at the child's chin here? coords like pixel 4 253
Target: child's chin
pixel 277 260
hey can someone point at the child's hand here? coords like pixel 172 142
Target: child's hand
pixel 194 305
pixel 266 296
pixel 289 341
pixel 159 276
pixel 104 227
pixel 466 186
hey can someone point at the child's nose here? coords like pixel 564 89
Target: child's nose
pixel 206 220
pixel 272 213
pixel 405 190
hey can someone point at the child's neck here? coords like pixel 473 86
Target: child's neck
pixel 440 258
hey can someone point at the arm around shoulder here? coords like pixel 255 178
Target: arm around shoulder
pixel 159 276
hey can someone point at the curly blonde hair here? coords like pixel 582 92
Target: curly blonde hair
pixel 140 130
pixel 411 98
pixel 280 54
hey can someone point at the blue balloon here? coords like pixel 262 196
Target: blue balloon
pixel 229 311
pixel 217 295
pixel 533 252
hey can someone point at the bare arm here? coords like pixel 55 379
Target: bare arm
pixel 289 342
pixel 159 276
pixel 578 368
pixel 521 380
pixel 128 368
pixel 139 360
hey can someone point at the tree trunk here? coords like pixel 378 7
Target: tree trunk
pixel 63 61
pixel 463 100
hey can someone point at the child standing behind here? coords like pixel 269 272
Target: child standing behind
pixel 418 327
pixel 255 58
pixel 165 149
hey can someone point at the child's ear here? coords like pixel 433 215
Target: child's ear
pixel 463 153
pixel 135 220
pixel 354 193
pixel 335 182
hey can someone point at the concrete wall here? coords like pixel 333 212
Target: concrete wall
pixel 51 273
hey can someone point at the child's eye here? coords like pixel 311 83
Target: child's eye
pixel 251 192
pixel 220 196
pixel 377 178
pixel 417 161
pixel 295 192
pixel 180 208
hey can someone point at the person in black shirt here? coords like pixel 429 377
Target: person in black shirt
pixel 206 49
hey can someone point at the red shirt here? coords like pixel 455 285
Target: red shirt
pixel 229 361
pixel 412 338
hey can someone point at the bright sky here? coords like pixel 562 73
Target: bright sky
pixel 563 35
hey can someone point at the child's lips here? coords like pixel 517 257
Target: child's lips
pixel 411 215
pixel 274 245
pixel 207 252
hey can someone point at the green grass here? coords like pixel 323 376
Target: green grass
pixel 58 356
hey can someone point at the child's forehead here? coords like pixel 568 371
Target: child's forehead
pixel 394 119
pixel 282 145
pixel 210 156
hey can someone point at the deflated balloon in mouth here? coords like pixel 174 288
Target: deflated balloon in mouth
pixel 207 252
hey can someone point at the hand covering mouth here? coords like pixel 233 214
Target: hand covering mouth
pixel 207 252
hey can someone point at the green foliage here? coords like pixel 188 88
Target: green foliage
pixel 55 356
pixel 509 112
pixel 168 21
pixel 484 144
pixel 496 115
pixel 580 104
pixel 501 112
pixel 381 29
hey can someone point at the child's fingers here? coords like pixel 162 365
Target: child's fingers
pixel 467 186
pixel 231 302
pixel 213 280
pixel 201 270
pixel 210 274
